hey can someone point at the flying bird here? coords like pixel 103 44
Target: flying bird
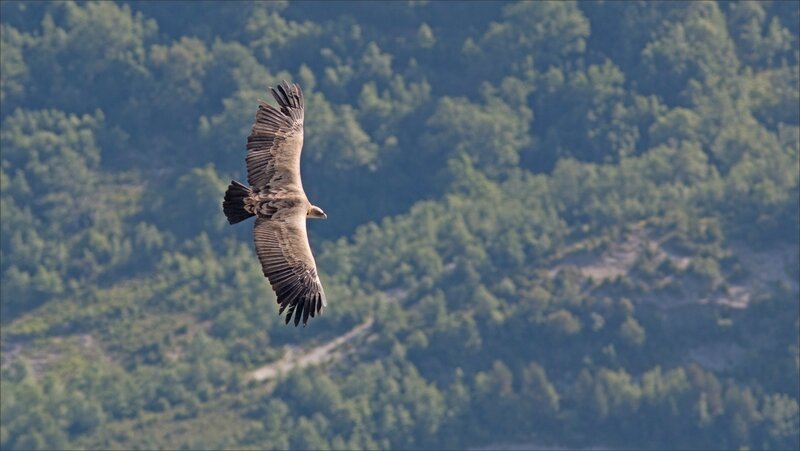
pixel 277 200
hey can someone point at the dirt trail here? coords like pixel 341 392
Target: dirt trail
pixel 301 358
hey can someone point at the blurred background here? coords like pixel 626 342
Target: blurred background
pixel 551 224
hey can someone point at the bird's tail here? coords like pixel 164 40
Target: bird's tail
pixel 233 206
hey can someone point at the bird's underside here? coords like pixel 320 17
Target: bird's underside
pixel 277 200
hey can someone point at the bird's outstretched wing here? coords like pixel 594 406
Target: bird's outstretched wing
pixel 286 259
pixel 275 142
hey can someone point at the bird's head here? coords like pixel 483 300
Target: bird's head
pixel 316 212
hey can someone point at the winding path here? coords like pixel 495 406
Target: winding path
pixel 301 358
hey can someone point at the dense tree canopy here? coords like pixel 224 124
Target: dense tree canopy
pixel 565 223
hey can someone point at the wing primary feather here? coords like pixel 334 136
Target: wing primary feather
pixel 289 314
pixel 314 304
pixel 286 292
pixel 280 97
pixel 294 292
pixel 298 312
pixel 280 286
pixel 287 90
pixel 299 93
pixel 307 309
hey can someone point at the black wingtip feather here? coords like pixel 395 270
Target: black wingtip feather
pixel 289 314
pixel 288 96
pixel 298 313
pixel 280 96
pixel 307 309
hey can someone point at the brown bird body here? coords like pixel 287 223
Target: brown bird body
pixel 277 200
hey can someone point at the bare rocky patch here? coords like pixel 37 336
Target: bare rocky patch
pixel 760 270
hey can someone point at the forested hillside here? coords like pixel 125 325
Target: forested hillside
pixel 550 224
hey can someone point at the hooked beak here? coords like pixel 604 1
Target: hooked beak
pixel 324 216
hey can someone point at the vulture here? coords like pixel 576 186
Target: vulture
pixel 276 198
